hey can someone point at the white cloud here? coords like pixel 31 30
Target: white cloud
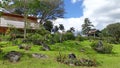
pixel 100 13
pixel 70 22
pixel 74 1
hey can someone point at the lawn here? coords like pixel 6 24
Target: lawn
pixel 105 60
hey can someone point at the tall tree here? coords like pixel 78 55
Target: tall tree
pixel 27 9
pixel 50 9
pixel 86 26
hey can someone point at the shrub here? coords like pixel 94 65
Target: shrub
pixel 76 62
pixel 102 48
pixel 5 37
pixel 68 36
pixel 55 38
pixel 80 38
pixel 17 42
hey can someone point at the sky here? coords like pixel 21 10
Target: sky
pixel 100 13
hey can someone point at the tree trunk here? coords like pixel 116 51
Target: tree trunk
pixel 61 38
pixel 25 20
pixel 94 34
pixel 25 23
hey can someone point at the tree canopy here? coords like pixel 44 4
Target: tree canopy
pixel 114 31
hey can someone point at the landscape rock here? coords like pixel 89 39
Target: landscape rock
pixel 21 47
pixel 37 42
pixel 82 50
pixel 13 56
pixel 71 56
pixel 99 46
pixel 45 47
pixel 27 47
pixel 36 55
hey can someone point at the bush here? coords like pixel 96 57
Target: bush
pixel 80 38
pixel 55 38
pixel 102 48
pixel 17 42
pixel 68 36
pixel 5 37
pixel 76 62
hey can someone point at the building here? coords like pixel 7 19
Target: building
pixel 94 32
pixel 7 20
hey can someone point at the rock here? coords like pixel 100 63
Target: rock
pixel 24 41
pixel 37 42
pixel 100 44
pixel 36 55
pixel 21 47
pixel 71 56
pixel 13 56
pixel 72 64
pixel 45 47
pixel 82 50
pixel 27 47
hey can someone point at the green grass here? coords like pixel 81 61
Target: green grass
pixel 105 60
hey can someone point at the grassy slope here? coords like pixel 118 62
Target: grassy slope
pixel 106 60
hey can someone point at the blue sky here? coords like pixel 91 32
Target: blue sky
pixel 73 9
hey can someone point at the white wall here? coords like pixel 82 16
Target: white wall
pixel 17 24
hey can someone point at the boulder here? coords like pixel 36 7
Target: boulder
pixel 45 47
pixel 36 55
pixel 27 47
pixel 21 47
pixel 13 56
pixel 100 44
pixel 37 42
pixel 71 56
pixel 82 50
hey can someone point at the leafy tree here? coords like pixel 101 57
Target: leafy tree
pixel 48 25
pixel 86 26
pixel 72 29
pixel 114 31
pixel 61 27
pixel 55 29
pixel 50 9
